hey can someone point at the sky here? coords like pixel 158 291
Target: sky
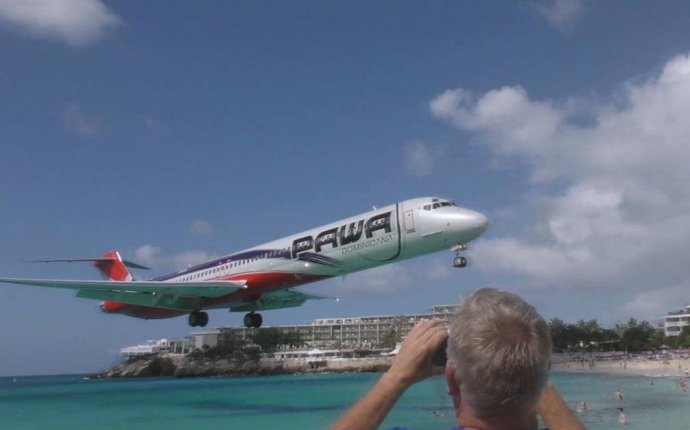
pixel 177 131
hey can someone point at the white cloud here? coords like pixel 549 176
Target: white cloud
pixel 439 271
pixel 418 159
pixel 561 14
pixel 510 122
pixel 647 304
pixel 201 227
pixel 152 256
pixel 147 255
pixel 621 217
pixel 80 122
pixel 76 22
pixel 383 280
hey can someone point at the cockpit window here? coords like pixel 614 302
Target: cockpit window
pixel 438 204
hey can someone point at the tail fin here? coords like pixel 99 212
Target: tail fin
pixel 112 267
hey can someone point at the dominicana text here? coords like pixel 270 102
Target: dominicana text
pixel 367 244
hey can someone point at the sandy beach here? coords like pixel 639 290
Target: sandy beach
pixel 642 366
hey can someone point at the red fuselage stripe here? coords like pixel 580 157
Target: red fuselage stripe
pixel 258 283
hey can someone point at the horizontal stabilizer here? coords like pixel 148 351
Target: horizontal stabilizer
pixel 127 263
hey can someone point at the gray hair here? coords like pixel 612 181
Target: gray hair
pixel 500 348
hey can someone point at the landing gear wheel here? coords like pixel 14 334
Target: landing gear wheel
pixel 253 320
pixel 198 319
pixel 258 320
pixel 460 261
pixel 193 319
pixel 202 320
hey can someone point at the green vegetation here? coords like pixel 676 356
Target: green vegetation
pixel 633 336
pixel 582 336
pixel 680 341
pixel 394 334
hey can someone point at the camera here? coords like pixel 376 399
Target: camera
pixel 440 357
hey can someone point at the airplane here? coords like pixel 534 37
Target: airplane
pixel 263 278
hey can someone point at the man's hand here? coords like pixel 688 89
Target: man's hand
pixel 413 362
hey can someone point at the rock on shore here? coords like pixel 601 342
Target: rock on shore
pixel 194 366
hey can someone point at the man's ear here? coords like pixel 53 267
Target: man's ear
pixel 453 388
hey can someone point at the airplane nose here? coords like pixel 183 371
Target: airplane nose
pixel 473 221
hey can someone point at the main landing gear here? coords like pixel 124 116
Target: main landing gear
pixel 198 319
pixel 459 261
pixel 253 320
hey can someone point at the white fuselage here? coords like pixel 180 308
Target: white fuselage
pixel 400 231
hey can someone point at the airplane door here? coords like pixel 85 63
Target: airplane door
pixel 409 221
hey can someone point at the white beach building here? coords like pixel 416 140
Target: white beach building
pixel 675 321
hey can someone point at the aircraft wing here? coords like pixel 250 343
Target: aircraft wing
pixel 172 295
pixel 278 299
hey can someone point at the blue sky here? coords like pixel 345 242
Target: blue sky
pixel 178 131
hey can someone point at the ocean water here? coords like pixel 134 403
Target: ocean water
pixel 299 402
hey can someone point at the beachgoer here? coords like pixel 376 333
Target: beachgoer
pixel 618 394
pixel 622 419
pixel 499 352
pixel 581 407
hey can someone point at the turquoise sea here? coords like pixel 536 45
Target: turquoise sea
pixel 299 402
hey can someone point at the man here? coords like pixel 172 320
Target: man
pixel 499 351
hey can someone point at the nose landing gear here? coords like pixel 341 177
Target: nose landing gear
pixel 459 261
pixel 253 320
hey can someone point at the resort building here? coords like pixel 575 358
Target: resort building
pixel 207 338
pixel 353 332
pixel 175 346
pixel 147 348
pixel 374 333
pixel 675 321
